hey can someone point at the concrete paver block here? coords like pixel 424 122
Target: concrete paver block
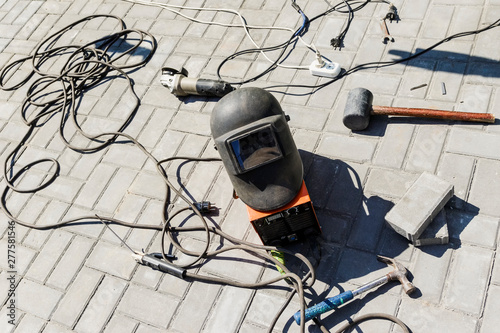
pixel 43 304
pixel 148 305
pixel 467 281
pixel 420 204
pixel 430 271
pixel 76 298
pixel 491 320
pixel 433 319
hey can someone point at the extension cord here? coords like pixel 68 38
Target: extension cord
pixel 327 69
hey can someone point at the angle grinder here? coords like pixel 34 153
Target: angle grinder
pixel 180 84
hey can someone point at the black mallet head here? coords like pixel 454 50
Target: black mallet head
pixel 357 109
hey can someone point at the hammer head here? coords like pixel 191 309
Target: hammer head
pixel 398 274
pixel 357 109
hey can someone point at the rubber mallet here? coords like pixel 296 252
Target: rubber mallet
pixel 359 108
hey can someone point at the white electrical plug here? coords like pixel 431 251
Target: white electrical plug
pixel 324 68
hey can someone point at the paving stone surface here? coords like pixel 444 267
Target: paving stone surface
pixel 81 278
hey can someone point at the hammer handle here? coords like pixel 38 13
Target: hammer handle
pixel 429 113
pixel 325 306
pixel 336 301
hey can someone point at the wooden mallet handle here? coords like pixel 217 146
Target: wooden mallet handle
pixel 429 113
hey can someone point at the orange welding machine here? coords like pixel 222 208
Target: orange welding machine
pixel 252 136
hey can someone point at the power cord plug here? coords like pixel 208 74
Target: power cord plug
pixel 205 207
pixel 336 42
pixel 391 14
pixel 319 60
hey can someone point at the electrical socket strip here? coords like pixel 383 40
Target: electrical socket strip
pixel 327 69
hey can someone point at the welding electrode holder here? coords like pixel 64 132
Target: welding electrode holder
pixel 181 85
pixel 159 264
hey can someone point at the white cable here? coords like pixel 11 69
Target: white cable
pixel 243 24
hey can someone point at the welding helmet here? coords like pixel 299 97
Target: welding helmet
pixel 252 136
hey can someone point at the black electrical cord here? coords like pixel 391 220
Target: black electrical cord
pixel 283 46
pixel 338 42
pixel 378 64
pixel 343 7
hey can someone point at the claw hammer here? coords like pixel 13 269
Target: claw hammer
pixel 334 302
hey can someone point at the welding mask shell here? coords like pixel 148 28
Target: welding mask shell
pixel 252 136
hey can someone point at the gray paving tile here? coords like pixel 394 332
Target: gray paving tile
pixel 484 189
pixel 112 259
pixel 30 323
pixel 467 288
pixel 347 148
pixel 426 150
pixel 47 258
pixel 474 229
pixel 55 328
pixel 77 297
pixel 115 191
pixel 120 323
pixel 306 118
pixel 457 170
pixel 393 149
pixel 490 320
pixel 430 271
pixel 262 309
pixel 70 263
pixel 101 305
pixel 95 185
pixel 232 300
pixel 369 223
pixel 429 318
pixel 148 305
pixel 389 183
pixel 41 306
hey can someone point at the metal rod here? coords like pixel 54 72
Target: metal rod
pixel 107 226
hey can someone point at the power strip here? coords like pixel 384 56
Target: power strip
pixel 325 69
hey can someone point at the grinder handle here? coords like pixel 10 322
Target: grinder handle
pixel 327 305
pixel 429 113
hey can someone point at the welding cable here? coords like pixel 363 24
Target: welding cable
pixel 355 322
pixel 85 67
pixel 76 75
pixel 257 250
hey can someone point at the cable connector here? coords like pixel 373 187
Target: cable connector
pixel 205 207
pixel 391 14
pixel 336 42
pixel 319 60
